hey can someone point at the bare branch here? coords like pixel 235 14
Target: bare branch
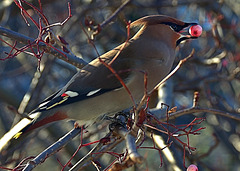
pixel 192 110
pixel 58 145
pixel 114 15
pixel 74 60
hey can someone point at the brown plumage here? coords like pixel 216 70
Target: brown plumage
pixel 95 90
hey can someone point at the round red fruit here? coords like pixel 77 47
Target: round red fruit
pixel 195 30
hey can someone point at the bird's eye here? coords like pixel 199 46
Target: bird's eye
pixel 174 26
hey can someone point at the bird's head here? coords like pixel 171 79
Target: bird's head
pixel 167 28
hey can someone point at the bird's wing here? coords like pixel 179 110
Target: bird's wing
pixel 92 80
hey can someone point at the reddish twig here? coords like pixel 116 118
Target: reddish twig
pixel 109 19
pixel 181 62
pixel 79 147
pixel 108 65
pixel 42 31
pixel 187 129
pixel 13 47
pixel 53 148
pixel 23 12
pixel 63 22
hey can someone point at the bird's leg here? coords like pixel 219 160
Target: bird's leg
pixel 119 119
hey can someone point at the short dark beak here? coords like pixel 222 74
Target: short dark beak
pixel 185 33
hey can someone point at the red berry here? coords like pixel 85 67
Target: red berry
pixel 192 167
pixel 195 30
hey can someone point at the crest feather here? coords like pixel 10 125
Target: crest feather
pixel 155 19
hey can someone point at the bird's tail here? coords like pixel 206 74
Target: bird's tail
pixel 15 132
pixel 24 126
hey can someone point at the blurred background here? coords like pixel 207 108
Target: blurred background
pixel 213 71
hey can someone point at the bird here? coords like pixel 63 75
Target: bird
pixel 114 81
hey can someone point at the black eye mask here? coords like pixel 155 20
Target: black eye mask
pixel 177 28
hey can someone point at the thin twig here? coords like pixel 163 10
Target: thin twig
pixel 114 15
pixel 52 149
pixel 74 60
pixel 192 110
pixel 181 62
